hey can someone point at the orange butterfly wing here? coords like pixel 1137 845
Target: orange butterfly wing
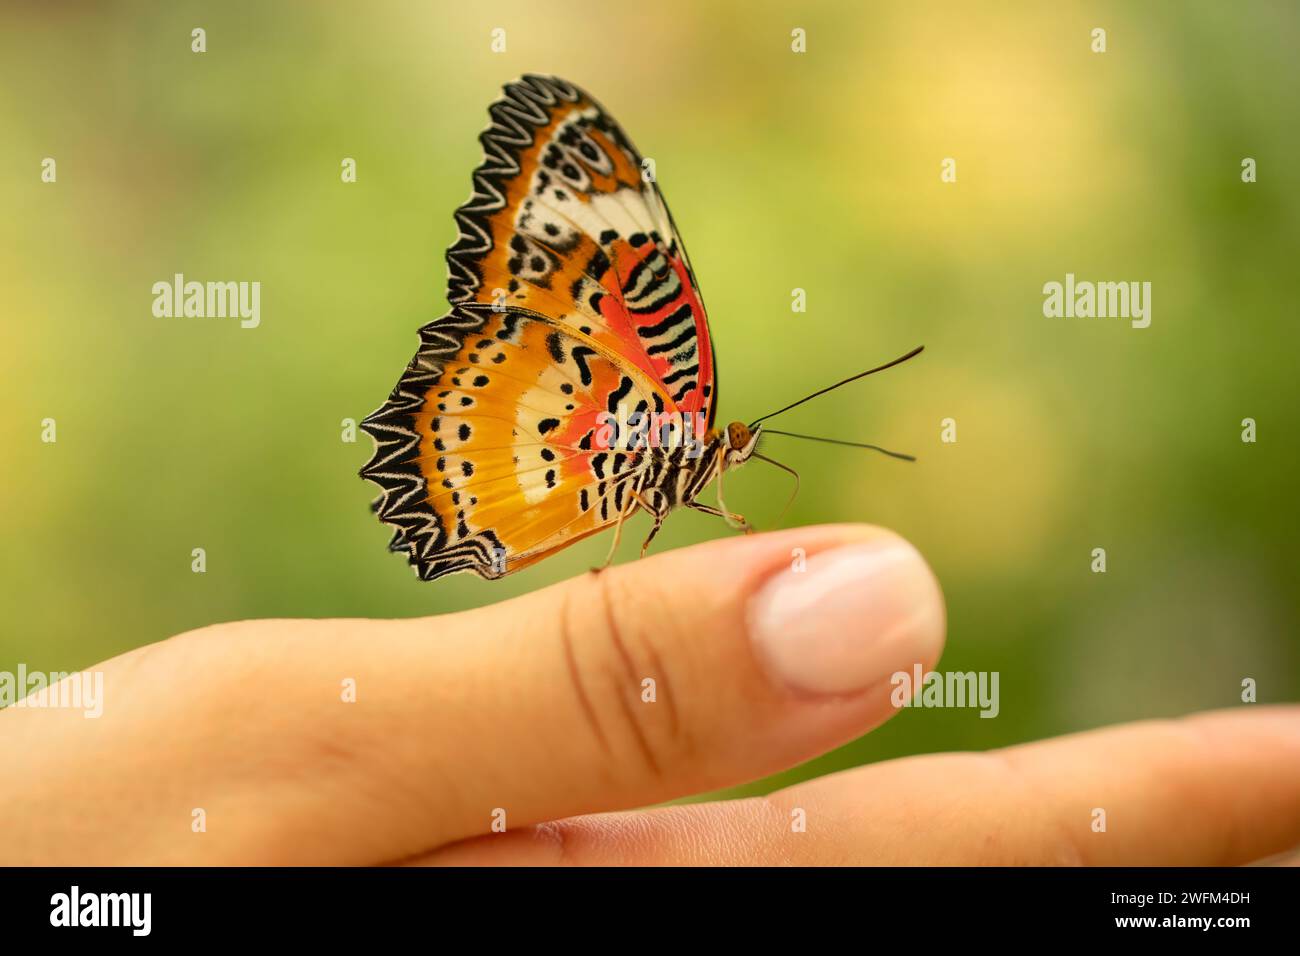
pixel 571 296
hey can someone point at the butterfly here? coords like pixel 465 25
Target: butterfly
pixel 572 381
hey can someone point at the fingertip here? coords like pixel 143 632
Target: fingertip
pixel 847 618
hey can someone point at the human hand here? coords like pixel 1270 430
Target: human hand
pixel 536 707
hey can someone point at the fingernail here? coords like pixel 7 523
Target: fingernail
pixel 848 618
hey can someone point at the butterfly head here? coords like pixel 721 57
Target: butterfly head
pixel 740 441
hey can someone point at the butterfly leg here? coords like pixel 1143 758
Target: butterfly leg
pixel 733 520
pixel 628 508
pixel 659 520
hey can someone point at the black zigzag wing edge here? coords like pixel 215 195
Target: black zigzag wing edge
pixel 394 466
pixel 516 118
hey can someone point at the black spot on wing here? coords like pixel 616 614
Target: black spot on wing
pixel 620 393
pixel 598 264
pixel 509 326
pixel 579 354
pixel 555 347
pixel 685 390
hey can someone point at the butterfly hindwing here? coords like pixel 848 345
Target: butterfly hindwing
pixel 504 459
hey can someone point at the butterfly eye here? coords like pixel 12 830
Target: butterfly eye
pixel 738 435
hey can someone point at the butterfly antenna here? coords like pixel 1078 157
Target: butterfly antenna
pixel 830 388
pixel 836 441
pixel 793 494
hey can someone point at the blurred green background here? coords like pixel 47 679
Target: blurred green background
pixel 818 171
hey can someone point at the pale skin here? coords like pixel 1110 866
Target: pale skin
pixel 535 706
